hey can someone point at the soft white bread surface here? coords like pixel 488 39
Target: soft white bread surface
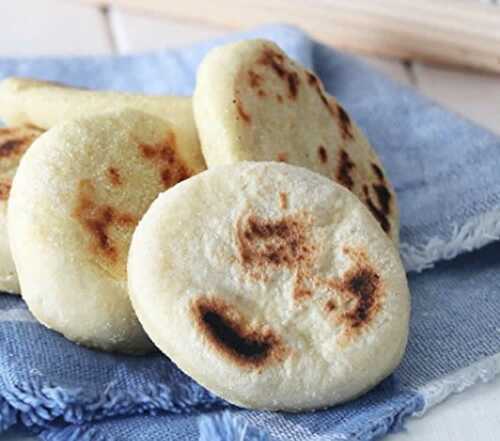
pixel 253 103
pixel 271 286
pixel 76 198
pixel 14 141
pixel 44 104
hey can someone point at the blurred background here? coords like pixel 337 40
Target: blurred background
pixel 448 49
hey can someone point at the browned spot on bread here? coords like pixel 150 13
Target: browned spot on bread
pixel 230 334
pixel 378 171
pixel 330 306
pixel 276 61
pixel 311 78
pixel 301 291
pixel 114 176
pixel 241 111
pixel 323 156
pixel 282 157
pixel 11 147
pixel 279 98
pixel 254 79
pixel 293 84
pixel 99 219
pixel 344 168
pixel 313 81
pixel 5 187
pixel 14 141
pixel 363 283
pixel 361 294
pixel 283 201
pixel 261 93
pixel 171 167
pixel 376 211
pixel 345 124
pixel 272 242
pixel 382 208
pixel 383 197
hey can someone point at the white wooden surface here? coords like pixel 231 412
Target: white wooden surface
pixel 36 27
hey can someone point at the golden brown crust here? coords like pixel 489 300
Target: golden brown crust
pixel 344 168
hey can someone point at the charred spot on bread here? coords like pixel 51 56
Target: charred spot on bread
pixel 361 294
pixel 381 207
pixel 322 154
pixel 243 114
pixel 344 169
pixel 293 84
pixel 171 168
pixel 314 82
pixel 345 123
pixel 378 171
pixel 363 283
pixel 14 141
pixel 230 334
pixel 276 61
pixel 254 79
pixel 377 212
pixel 114 176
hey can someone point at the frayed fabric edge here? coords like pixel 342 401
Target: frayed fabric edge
pixel 439 390
pixel 226 427
pixel 36 406
pixel 8 415
pixel 472 235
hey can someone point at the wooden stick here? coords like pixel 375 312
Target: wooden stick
pixel 460 33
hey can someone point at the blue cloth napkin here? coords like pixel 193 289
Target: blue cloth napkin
pixel 445 171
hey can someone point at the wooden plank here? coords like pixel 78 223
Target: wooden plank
pixel 454 32
pixel 44 27
pixel 473 95
pixel 138 32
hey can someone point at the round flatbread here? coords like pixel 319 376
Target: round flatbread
pixel 271 286
pixel 14 141
pixel 253 103
pixel 44 104
pixel 75 201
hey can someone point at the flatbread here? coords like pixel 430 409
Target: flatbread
pixel 271 286
pixel 14 141
pixel 75 201
pixel 44 104
pixel 254 103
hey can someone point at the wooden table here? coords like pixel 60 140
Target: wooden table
pixel 64 27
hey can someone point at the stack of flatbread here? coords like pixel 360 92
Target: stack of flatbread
pixel 250 233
